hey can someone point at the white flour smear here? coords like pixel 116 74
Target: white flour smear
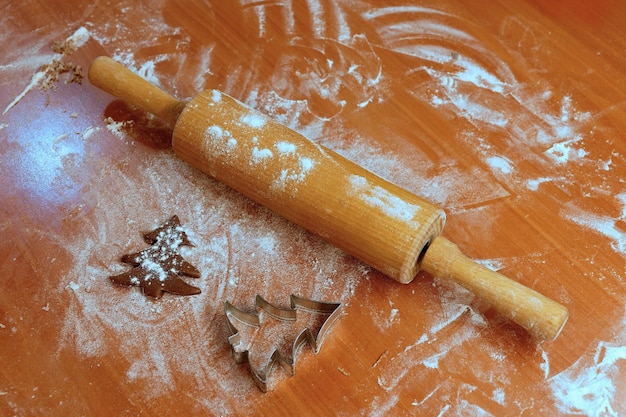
pixel 605 225
pixel 396 369
pixel 593 386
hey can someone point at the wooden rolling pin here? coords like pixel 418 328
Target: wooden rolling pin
pixel 381 224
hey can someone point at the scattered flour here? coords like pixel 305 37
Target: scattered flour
pixel 563 152
pixel 35 80
pixel 500 164
pixel 380 198
pixel 86 134
pixel 260 154
pixel 499 396
pixel 607 226
pixel 286 148
pixel 79 37
pixel 493 264
pixel 102 319
pixel 230 243
pixel 146 70
pixel 215 132
pixel 533 184
pixel 592 386
pixel 253 120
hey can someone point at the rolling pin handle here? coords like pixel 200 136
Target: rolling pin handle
pixel 117 80
pixel 541 316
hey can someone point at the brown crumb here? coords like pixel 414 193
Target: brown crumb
pixel 67 47
pixel 77 75
pixel 54 70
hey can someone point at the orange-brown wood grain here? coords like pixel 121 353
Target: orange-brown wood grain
pixel 508 115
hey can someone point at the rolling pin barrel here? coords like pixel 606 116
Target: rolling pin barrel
pixel 381 224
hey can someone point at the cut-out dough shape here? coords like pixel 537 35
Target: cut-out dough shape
pixel 159 268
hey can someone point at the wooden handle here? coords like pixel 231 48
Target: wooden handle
pixel 116 79
pixel 378 222
pixel 541 316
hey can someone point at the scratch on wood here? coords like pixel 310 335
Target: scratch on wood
pixel 343 371
pixel 382 355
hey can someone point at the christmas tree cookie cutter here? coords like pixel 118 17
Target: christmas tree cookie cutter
pixel 245 327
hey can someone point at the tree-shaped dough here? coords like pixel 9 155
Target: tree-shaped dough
pixel 160 267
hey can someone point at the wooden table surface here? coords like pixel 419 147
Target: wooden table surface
pixel 510 115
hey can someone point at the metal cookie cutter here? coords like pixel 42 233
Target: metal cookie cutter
pixel 255 333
